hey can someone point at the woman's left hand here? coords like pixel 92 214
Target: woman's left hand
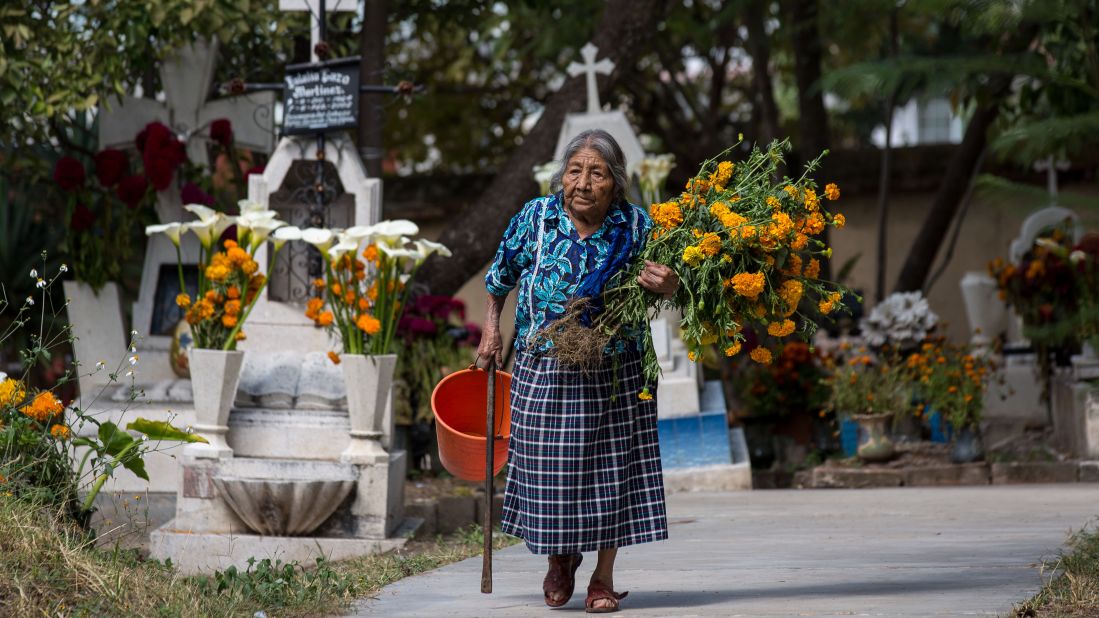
pixel 658 278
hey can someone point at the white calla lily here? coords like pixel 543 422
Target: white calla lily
pixel 209 230
pixel 342 248
pixel 427 247
pixel 258 231
pixel 399 252
pixel 393 232
pixel 359 233
pixel 248 206
pixel 172 230
pixel 204 213
pixel 318 237
pixel 285 234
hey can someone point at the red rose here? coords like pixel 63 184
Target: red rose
pixel 68 173
pixel 190 193
pixel 132 190
pixel 161 155
pixel 221 131
pixel 82 218
pixel 110 166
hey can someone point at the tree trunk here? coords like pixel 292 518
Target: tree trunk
pixel 372 71
pixel 624 28
pixel 812 117
pixel 886 169
pixel 759 47
pixel 945 205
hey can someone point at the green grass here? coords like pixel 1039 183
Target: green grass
pixel 1073 587
pixel 48 568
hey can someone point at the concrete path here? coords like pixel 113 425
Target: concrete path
pixel 883 552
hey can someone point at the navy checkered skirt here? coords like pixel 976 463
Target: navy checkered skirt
pixel 583 467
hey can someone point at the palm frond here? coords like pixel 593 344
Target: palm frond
pixel 1032 140
pixel 1021 198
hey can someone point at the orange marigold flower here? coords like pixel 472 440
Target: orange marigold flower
pixel 368 324
pixel 230 243
pixel 747 232
pixel 318 283
pixel 645 395
pixel 832 191
pixel 371 253
pixel 792 265
pixel 349 297
pixel 61 432
pixel 183 300
pixel 249 267
pixel 336 289
pixel 313 308
pixel 733 349
pixel 761 356
pixel 237 256
pixel 780 329
pixel 814 224
pixel 232 308
pixel 240 336
pixel 335 358
pixel 710 244
pixel 790 292
pixel 217 272
pixel 812 202
pixel 364 304
pixel 233 292
pixel 773 202
pixel 839 220
pixel 749 285
pixel 800 242
pixel 326 318
pixel 228 321
pixel 666 215
pixel 43 407
pixel 812 271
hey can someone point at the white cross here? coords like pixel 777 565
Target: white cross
pixel 1051 167
pixel 186 77
pixel 313 6
pixel 591 67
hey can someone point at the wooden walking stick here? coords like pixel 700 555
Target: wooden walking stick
pixel 490 451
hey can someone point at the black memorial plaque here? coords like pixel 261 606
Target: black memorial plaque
pixel 321 96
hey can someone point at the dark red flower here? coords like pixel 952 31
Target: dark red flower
pixel 191 193
pixel 82 219
pixel 132 190
pixel 258 169
pixel 110 166
pixel 161 155
pixel 68 173
pixel 221 131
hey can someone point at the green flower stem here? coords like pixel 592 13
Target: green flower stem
pixel 179 269
pixel 102 478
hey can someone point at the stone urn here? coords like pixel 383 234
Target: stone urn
pixel 96 319
pixel 368 379
pixel 875 444
pixel 215 375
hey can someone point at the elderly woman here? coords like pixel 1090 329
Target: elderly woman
pixel 584 463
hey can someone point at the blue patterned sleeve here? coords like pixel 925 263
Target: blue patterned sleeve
pixel 643 232
pixel 513 256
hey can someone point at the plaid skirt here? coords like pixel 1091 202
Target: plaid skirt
pixel 583 468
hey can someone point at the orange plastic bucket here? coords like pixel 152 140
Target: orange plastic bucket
pixel 460 404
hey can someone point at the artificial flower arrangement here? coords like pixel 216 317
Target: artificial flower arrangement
pixel 435 341
pixel 229 282
pixel 903 320
pixel 364 288
pixel 746 250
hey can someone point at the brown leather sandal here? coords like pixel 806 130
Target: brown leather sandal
pixel 599 592
pixel 556 580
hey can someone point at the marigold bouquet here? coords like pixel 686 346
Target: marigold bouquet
pixel 362 293
pixel 951 379
pixel 744 246
pixel 868 384
pixel 229 282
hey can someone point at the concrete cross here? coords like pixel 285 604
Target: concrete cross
pixel 591 67
pixel 186 77
pixel 313 6
pixel 1051 167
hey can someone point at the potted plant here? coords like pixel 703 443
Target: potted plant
pixel 229 283
pixel 952 379
pixel 871 391
pixel 360 300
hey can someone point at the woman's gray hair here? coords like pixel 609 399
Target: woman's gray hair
pixel 601 142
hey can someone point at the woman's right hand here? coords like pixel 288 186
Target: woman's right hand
pixel 491 346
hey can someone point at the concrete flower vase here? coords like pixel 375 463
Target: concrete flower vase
pixel 215 375
pixel 368 379
pixel 875 444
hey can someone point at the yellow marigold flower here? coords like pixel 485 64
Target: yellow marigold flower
pixel 792 191
pixel 205 309
pixel 749 285
pixel 792 265
pixel 697 232
pixel 645 395
pixel 44 407
pixel 747 232
pixel 780 329
pixel 761 356
pixel 726 258
pixel 61 432
pixel 12 392
pixel 368 324
pixel 826 306
pixel 832 191
pixel 814 224
pixel 759 310
pixel 781 224
pixel 183 300
pixel 812 271
pixel 250 267
pixel 773 202
pixel 723 173
pixel 790 292
pixel 666 215
pixel 693 256
pixel 692 356
pixel 217 272
pixel 326 318
pixel 839 220
pixel 710 244
pixel 812 202
pixel 733 349
pixel 335 358
pixel 237 256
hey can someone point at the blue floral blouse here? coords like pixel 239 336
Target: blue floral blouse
pixel 544 256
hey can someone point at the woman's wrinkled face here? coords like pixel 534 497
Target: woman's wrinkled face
pixel 588 184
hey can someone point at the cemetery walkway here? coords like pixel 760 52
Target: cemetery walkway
pixel 880 552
